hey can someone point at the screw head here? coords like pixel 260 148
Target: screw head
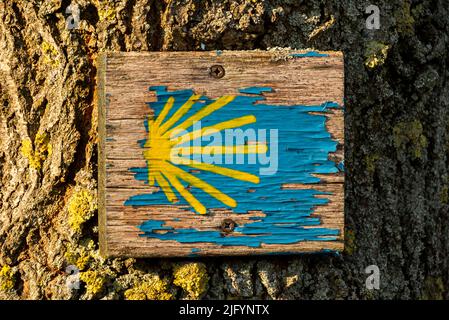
pixel 217 71
pixel 228 225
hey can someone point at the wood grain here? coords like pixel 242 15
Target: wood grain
pixel 123 82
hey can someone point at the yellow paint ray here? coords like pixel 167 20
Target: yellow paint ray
pixel 200 184
pixel 185 193
pixel 150 177
pixel 235 174
pixel 213 150
pixel 150 132
pixel 155 165
pixel 207 131
pixel 179 114
pixel 204 112
pixel 164 111
pixel 165 186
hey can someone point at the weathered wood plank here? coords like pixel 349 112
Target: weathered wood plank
pixel 299 208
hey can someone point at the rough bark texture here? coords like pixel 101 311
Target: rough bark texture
pixel 397 146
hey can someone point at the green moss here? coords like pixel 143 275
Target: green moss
pixel 38 153
pixel 192 278
pixel 94 280
pixel 404 19
pixel 375 54
pixel 151 288
pixel 370 162
pixel 433 289
pixel 410 134
pixel 50 54
pixel 7 280
pixel 444 195
pixel 81 208
pixel 418 11
pixel 349 242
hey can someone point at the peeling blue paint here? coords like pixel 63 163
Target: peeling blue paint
pixel 254 239
pixel 304 145
pixel 193 255
pixel 256 90
pixel 341 166
pixel 309 54
pixel 331 252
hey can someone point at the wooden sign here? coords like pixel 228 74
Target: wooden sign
pixel 220 153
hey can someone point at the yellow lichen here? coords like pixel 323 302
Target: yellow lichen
pixel 410 133
pixel 36 155
pixel 81 208
pixel 105 12
pixel 6 278
pixel 376 54
pixel 86 257
pixel 94 280
pixel 291 280
pixel 50 54
pixel 81 255
pixel 192 278
pixel 152 288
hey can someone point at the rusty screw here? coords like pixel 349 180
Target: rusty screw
pixel 217 71
pixel 228 225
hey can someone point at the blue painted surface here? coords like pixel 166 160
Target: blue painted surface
pixel 341 166
pixel 309 54
pixel 303 148
pixel 255 90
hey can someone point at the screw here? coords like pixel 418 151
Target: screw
pixel 217 71
pixel 228 225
